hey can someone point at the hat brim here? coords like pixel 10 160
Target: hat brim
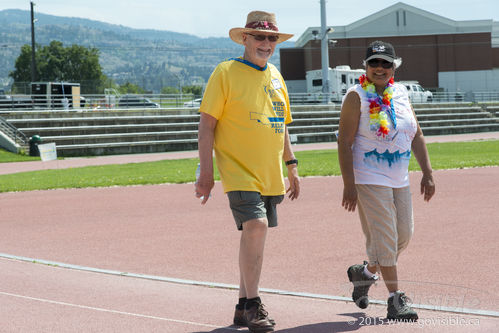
pixel 236 34
pixel 397 61
pixel 381 56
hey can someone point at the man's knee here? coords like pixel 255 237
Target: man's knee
pixel 255 226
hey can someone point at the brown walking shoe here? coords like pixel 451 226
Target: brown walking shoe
pixel 239 318
pixel 256 318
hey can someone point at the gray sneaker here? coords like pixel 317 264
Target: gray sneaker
pixel 361 284
pixel 398 308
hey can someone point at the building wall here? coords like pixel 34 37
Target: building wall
pixel 423 56
pixel 470 80
pixel 495 57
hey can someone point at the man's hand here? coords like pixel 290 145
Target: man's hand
pixel 206 137
pixel 203 187
pixel 294 182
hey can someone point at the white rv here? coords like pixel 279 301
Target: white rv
pixel 340 79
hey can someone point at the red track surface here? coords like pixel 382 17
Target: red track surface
pixel 163 230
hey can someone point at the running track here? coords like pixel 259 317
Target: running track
pixel 144 237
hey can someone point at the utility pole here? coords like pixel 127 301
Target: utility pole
pixel 325 53
pixel 33 61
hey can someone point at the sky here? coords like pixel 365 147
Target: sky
pixel 214 18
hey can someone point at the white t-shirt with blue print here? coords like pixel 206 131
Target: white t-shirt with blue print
pixel 379 160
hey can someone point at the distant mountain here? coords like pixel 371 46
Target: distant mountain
pixel 150 58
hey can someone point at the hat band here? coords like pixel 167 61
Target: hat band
pixel 263 25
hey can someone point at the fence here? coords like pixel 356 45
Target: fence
pixel 116 101
pixel 438 97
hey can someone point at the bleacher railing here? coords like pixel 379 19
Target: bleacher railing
pixel 140 101
pixel 13 133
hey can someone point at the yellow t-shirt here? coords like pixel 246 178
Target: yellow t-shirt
pixel 252 109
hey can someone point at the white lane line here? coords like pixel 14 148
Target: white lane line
pixel 464 311
pixel 79 306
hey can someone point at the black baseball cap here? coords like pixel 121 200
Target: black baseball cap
pixel 381 50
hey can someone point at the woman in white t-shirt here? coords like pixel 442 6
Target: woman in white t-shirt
pixel 378 131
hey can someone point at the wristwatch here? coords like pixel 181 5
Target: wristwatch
pixel 292 162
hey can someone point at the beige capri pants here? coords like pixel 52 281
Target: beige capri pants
pixel 387 221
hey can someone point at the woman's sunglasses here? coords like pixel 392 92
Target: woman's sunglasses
pixel 374 63
pixel 261 38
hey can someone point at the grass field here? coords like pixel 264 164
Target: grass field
pixel 312 163
pixel 6 156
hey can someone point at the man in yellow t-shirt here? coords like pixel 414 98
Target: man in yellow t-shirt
pixel 244 113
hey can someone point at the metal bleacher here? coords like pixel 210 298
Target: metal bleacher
pixel 113 131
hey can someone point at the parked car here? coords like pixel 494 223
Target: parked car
pixel 416 93
pixel 133 101
pixel 14 102
pixel 194 102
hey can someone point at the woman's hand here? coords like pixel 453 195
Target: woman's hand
pixel 427 187
pixel 349 198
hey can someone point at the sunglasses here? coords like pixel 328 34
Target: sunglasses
pixel 261 38
pixel 374 63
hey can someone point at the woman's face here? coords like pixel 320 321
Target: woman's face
pixel 379 71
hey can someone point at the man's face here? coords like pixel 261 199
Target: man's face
pixel 259 51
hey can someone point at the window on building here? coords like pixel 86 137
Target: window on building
pixel 317 82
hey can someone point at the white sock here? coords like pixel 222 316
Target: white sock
pixel 391 294
pixel 368 273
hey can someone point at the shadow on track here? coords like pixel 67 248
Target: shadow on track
pixel 359 319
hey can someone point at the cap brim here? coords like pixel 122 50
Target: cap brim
pixel 236 34
pixel 381 56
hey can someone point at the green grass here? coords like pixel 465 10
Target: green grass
pixel 455 155
pixel 6 156
pixel 312 163
pixel 449 155
pixel 169 171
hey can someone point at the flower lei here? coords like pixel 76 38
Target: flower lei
pixel 379 108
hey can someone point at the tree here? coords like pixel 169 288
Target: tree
pixel 58 63
pixel 169 90
pixel 22 73
pixel 130 88
pixel 195 90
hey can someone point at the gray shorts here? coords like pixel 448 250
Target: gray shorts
pixel 247 205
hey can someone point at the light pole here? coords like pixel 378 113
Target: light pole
pixel 179 86
pixel 325 53
pixel 33 61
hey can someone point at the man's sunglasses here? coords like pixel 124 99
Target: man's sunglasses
pixel 374 63
pixel 261 38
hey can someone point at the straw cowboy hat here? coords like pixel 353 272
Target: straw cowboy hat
pixel 256 22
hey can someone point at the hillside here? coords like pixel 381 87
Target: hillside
pixel 149 58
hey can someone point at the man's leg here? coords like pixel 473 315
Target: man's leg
pixel 251 249
pixel 253 235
